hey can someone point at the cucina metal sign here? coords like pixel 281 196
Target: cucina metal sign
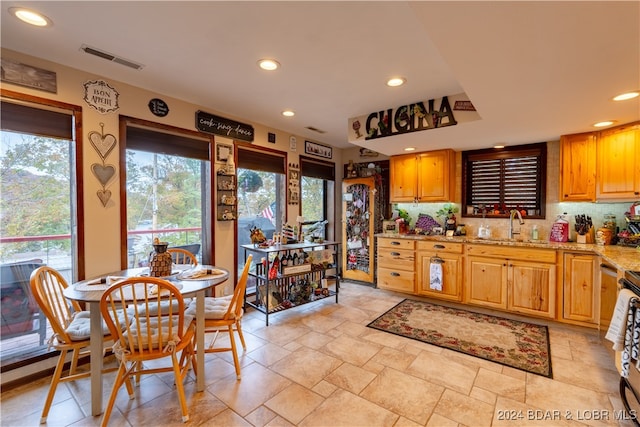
pixel 419 116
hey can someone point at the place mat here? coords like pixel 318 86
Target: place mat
pixel 201 274
pixel 100 284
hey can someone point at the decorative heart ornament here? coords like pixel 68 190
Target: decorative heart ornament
pixel 104 196
pixel 104 173
pixel 102 143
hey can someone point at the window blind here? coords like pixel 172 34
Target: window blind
pixel 510 178
pixel 266 161
pixel 36 121
pixel 317 169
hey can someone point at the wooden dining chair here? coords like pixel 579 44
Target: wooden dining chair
pixel 70 325
pixel 183 256
pixel 149 336
pixel 224 314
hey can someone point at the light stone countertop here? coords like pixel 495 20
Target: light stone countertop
pixel 622 257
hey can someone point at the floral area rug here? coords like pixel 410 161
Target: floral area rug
pixel 521 345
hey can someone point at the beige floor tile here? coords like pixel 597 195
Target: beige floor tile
pixel 346 409
pixel 352 350
pixel 438 420
pixel 403 394
pixel 294 403
pixel 306 366
pixel 393 358
pixel 268 354
pixel 351 378
pixel 501 385
pixel 463 409
pixel 258 384
pixel 324 388
pixel 226 418
pixel 555 395
pixel 436 369
pixel 314 340
pixel 261 416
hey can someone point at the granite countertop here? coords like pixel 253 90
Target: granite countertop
pixel 621 257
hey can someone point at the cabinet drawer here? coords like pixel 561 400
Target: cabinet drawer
pixel 396 258
pixel 512 252
pixel 396 280
pixel 431 246
pixel 384 242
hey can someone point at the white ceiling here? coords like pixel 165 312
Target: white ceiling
pixel 533 70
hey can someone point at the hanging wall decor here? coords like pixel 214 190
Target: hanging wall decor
pixel 101 96
pixel 104 173
pixel 294 184
pixel 318 149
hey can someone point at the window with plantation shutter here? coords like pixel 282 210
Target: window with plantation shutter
pixel 504 179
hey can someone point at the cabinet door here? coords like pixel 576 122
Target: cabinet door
pixel 402 177
pixel 578 167
pixel 451 276
pixel 618 163
pixel 532 288
pixel 486 282
pixel 436 179
pixel 580 288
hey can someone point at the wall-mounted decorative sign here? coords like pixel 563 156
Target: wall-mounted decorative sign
pixel 294 184
pixel 216 125
pixel 223 151
pixel 28 76
pixel 318 149
pixel 158 107
pixel 422 115
pixel 101 96
pixel 103 144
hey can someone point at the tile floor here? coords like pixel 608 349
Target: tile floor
pixel 319 365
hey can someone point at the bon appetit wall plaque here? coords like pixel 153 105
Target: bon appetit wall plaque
pixel 217 125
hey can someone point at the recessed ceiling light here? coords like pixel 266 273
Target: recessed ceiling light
pixel 625 96
pixel 268 64
pixel 410 149
pixel 396 81
pixel 288 113
pixel 498 146
pixel 30 17
pixel 603 123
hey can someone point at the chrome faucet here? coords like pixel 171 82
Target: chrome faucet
pixel 512 215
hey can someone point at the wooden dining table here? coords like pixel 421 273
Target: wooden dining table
pixel 90 292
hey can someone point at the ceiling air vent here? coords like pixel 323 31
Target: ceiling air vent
pixel 109 57
pixel 315 129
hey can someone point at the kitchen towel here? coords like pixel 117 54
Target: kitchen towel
pixel 435 273
pixel 618 326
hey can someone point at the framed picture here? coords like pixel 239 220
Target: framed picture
pixel 318 149
pixel 28 76
pixel 223 151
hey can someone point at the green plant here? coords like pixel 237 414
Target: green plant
pixel 447 211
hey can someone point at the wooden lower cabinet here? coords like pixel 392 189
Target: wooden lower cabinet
pixel 451 256
pixel 581 288
pixel 532 288
pixel 524 282
pixel 396 265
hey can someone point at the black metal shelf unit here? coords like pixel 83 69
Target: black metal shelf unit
pixel 279 287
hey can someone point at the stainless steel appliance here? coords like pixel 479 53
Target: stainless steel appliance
pixel 630 386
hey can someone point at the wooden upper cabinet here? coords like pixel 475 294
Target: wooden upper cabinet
pixel 423 177
pixel 618 159
pixel 578 167
pixel 403 171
